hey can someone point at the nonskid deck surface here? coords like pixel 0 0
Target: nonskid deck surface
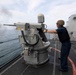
pixel 50 68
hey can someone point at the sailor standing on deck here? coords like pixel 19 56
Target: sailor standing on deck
pixel 66 45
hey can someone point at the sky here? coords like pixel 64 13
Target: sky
pixel 13 11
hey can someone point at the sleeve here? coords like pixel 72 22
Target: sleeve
pixel 59 30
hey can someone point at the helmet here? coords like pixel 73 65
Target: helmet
pixel 61 22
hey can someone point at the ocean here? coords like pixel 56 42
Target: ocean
pixel 9 44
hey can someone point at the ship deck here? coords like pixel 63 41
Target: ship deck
pixel 19 67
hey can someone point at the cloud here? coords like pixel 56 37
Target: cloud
pixel 5 15
pixel 19 16
pixel 27 10
pixel 6 2
pixel 60 12
pixel 33 4
pixel 17 12
pixel 5 11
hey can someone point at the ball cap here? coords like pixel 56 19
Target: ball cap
pixel 61 22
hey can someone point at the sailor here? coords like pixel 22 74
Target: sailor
pixel 66 44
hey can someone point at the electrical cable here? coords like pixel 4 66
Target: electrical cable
pixel 27 43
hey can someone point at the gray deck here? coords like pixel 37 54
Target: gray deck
pixel 50 68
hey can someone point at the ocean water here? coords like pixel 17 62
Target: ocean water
pixel 9 44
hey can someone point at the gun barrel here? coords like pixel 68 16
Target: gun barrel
pixel 9 25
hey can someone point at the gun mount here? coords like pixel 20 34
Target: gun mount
pixel 34 42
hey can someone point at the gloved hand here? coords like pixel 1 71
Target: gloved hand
pixel 45 31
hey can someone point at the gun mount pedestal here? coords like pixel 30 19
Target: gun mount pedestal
pixel 39 55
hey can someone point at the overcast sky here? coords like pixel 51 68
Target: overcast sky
pixel 12 11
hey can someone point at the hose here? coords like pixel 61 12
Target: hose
pixel 27 43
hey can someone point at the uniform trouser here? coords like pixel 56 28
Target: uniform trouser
pixel 65 49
